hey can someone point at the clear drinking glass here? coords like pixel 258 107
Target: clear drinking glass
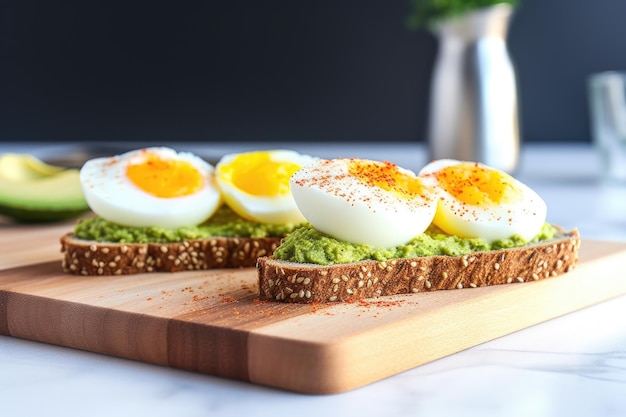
pixel 607 106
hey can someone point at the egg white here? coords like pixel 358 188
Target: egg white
pixel 275 209
pixel 524 216
pixel 340 205
pixel 112 195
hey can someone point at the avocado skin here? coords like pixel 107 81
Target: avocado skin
pixel 34 192
pixel 21 215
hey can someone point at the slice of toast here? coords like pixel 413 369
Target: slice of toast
pixel 84 257
pixel 309 283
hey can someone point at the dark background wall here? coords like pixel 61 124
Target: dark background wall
pixel 328 70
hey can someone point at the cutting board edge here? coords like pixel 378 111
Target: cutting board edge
pixel 85 327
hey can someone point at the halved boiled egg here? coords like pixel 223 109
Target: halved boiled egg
pixel 151 187
pixel 479 201
pixel 255 184
pixel 364 201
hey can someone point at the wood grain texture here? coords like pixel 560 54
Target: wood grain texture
pixel 29 244
pixel 213 322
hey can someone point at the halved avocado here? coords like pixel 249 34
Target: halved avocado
pixel 33 191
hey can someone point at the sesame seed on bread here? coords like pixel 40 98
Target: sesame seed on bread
pixel 294 282
pixel 84 257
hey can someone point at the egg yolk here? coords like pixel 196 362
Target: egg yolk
pixel 387 176
pixel 477 185
pixel 257 174
pixel 165 178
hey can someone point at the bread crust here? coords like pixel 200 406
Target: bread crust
pixel 83 257
pixel 308 283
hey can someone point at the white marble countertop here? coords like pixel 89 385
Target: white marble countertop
pixel 571 366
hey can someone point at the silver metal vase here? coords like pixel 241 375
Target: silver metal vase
pixel 473 113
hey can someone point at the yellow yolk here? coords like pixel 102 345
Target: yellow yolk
pixel 361 201
pixel 155 186
pixel 387 176
pixel 165 178
pixel 477 201
pixel 478 186
pixel 257 174
pixel 255 184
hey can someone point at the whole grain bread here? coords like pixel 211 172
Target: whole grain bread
pixel 83 257
pixel 309 283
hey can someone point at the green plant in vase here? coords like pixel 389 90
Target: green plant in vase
pixel 473 111
pixel 424 13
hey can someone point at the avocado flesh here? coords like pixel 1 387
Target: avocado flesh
pixel 21 167
pixel 31 191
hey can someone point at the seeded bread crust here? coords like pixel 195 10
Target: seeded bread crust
pixel 83 257
pixel 308 283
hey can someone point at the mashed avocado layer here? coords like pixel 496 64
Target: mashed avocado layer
pixel 224 223
pixel 307 245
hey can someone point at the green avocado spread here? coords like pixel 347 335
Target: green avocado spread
pixel 224 223
pixel 307 245
pixel 301 243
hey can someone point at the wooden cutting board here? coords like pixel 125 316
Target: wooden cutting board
pixel 213 323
